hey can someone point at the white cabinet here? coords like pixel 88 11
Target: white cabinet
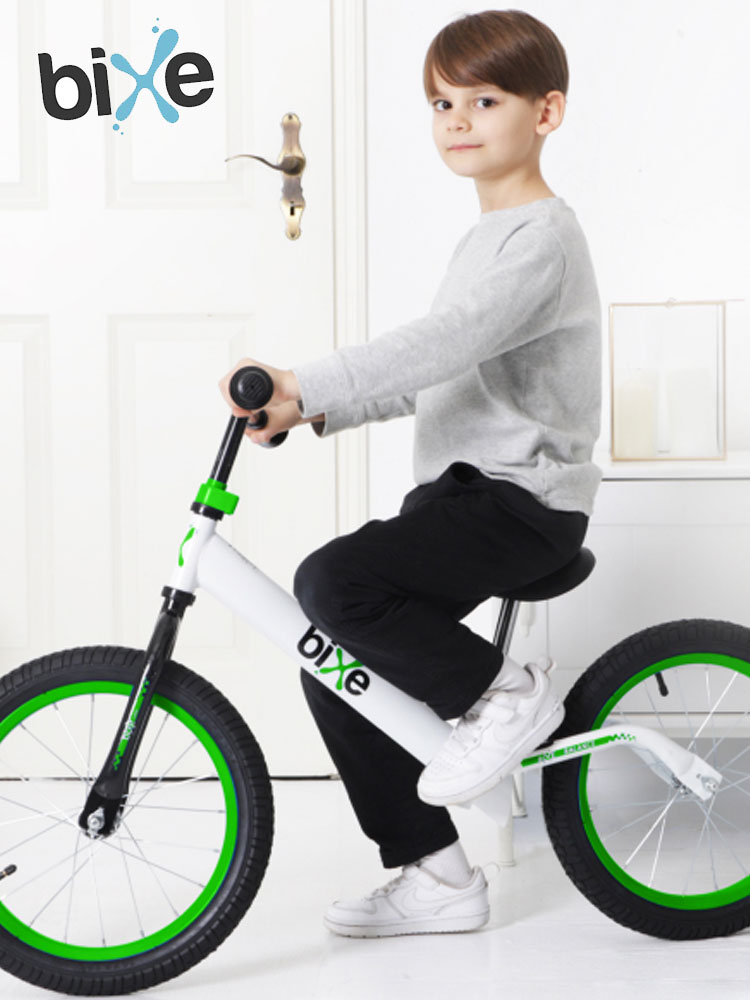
pixel 665 549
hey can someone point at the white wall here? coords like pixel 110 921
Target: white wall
pixel 653 156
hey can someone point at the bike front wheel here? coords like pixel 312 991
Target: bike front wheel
pixel 648 853
pixel 122 913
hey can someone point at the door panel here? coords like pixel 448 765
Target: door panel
pixel 137 266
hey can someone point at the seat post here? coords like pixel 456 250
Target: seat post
pixel 506 621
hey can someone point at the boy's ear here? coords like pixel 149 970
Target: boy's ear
pixel 551 111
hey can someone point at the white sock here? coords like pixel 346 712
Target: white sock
pixel 512 678
pixel 449 864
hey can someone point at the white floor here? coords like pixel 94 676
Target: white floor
pixel 543 940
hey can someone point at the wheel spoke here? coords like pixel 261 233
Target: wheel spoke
pixel 728 734
pixel 160 779
pixel 666 809
pixel 695 857
pixel 92 856
pixel 41 874
pixel 707 814
pixel 171 786
pixel 682 699
pixel 723 789
pixel 139 921
pixel 38 814
pixel 633 822
pixel 8 852
pixel 151 870
pixel 173 845
pixel 53 753
pixel 184 809
pixel 42 794
pixel 625 805
pixel 743 830
pixel 734 784
pixel 713 723
pixel 61 720
pixel 657 713
pixel 153 865
pixel 737 756
pixel 710 821
pixel 142 771
pixel 657 852
pixel 734 770
pixel 72 886
pixel 711 714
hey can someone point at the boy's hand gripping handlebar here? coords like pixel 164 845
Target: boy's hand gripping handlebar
pixel 251 388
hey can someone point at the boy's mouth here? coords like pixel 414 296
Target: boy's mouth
pixel 465 145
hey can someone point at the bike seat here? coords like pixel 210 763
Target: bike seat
pixel 557 583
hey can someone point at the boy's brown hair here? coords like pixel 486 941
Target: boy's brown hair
pixel 508 48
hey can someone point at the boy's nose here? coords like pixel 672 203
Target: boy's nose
pixel 458 124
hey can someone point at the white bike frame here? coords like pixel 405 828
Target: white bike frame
pixel 208 561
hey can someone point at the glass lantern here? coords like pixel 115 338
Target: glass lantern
pixel 667 380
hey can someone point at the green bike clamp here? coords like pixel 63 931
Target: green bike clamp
pixel 215 494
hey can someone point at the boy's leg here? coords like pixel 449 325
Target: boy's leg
pixel 380 778
pixel 392 594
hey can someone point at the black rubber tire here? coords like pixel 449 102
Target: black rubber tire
pixel 236 892
pixel 560 783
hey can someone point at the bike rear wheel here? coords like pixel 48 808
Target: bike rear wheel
pixel 114 915
pixel 650 855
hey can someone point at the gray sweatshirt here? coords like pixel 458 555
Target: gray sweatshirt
pixel 504 372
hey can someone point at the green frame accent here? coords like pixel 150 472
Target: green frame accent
pixel 183 543
pixel 700 901
pixel 215 494
pixel 10 923
pixel 547 756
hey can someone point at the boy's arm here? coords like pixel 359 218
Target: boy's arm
pixel 284 410
pixel 332 421
pixel 513 300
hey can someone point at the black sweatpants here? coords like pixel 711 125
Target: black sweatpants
pixel 392 594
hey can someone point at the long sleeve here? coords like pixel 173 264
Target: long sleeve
pixel 503 373
pixel 510 300
pixel 355 416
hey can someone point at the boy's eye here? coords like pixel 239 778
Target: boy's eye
pixel 441 104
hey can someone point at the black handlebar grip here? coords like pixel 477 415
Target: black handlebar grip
pixel 251 388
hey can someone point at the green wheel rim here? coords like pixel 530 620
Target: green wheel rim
pixel 699 901
pixel 62 949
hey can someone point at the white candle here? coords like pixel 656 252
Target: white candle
pixel 635 415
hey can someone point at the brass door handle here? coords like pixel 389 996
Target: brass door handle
pixel 291 163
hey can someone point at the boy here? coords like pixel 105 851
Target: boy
pixel 503 376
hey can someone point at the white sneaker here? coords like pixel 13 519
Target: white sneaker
pixel 415 902
pixel 491 740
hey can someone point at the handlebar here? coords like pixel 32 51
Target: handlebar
pixel 251 388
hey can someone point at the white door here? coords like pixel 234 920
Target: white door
pixel 137 266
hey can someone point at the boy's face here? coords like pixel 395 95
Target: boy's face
pixel 486 133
